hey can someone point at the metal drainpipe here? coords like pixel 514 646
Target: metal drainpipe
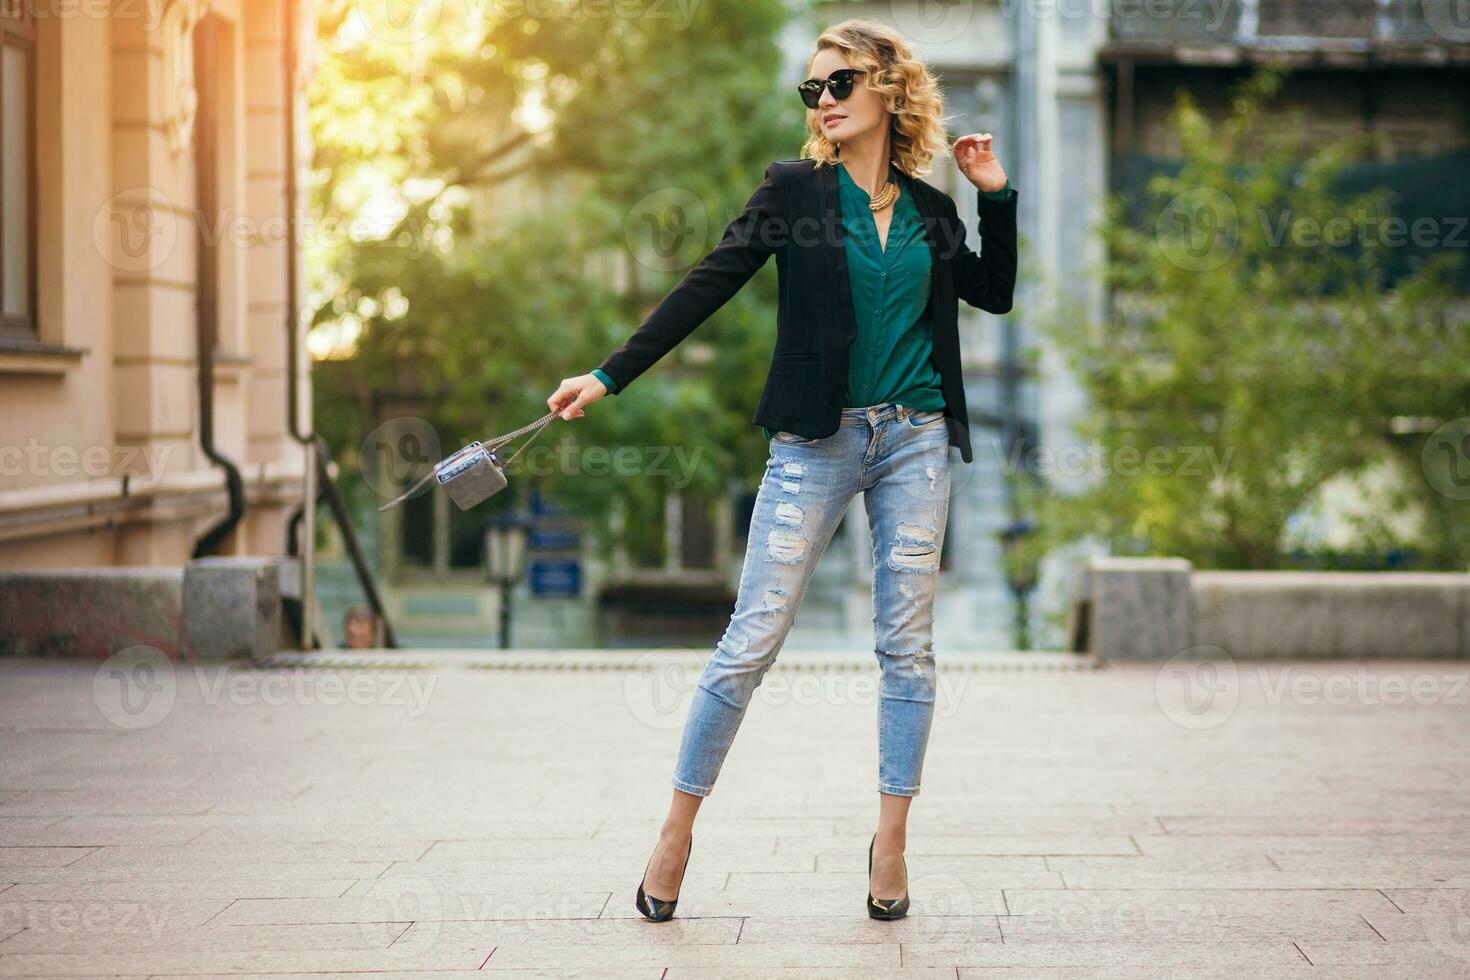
pixel 206 317
pixel 302 435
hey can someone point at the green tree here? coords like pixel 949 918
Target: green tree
pixel 1257 348
pixel 511 188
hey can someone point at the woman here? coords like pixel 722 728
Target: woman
pixel 865 393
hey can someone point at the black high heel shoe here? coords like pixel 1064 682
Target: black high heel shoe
pixel 890 908
pixel 656 909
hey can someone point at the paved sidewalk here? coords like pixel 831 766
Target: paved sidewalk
pixel 454 820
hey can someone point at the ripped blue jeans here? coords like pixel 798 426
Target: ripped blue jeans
pixel 899 458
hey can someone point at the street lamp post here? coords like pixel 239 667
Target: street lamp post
pixel 1021 575
pixel 505 560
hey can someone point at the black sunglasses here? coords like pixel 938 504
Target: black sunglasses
pixel 840 82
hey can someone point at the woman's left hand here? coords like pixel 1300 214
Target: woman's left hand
pixel 978 163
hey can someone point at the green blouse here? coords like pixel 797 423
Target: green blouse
pixel 889 361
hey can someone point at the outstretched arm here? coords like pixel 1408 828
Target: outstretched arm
pixel 748 241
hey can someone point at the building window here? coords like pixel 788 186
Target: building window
pixel 17 171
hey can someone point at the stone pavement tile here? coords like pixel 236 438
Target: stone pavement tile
pixel 93 916
pixel 161 961
pixel 1221 970
pixel 216 854
pixel 858 928
pixel 646 828
pixel 972 845
pixel 39 857
pixel 483 879
pixel 77 831
pixel 599 933
pixel 1194 859
pixel 805 972
pixel 589 973
pixel 401 902
pixel 713 959
pixel 115 802
pixel 364 936
pixel 1179 957
pixel 842 893
pixel 1202 901
pixel 1348 876
pixel 313 826
pixel 1311 825
pixel 1133 923
pixel 601 846
pixel 985 866
pixel 239 869
pixel 209 888
pixel 1424 959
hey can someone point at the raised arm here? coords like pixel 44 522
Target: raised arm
pixel 988 281
pixel 748 241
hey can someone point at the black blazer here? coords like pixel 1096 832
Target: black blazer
pixel 795 215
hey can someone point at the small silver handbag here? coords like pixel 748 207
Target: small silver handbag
pixel 474 473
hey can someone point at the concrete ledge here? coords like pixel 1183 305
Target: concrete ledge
pixel 1389 615
pixel 1151 609
pixel 91 612
pixel 214 608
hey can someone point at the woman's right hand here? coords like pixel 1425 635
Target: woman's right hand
pixel 573 393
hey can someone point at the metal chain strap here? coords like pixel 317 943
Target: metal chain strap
pixel 488 445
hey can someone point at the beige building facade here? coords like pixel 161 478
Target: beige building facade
pixel 143 201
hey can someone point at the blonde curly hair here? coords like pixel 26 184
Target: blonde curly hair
pixel 909 90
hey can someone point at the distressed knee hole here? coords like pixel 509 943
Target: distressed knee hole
pixel 786 547
pixel 776 599
pixel 789 514
pixel 917 549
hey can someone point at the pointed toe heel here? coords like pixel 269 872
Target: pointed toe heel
pixel 887 909
pixel 656 909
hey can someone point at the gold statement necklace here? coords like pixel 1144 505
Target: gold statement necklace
pixel 883 198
